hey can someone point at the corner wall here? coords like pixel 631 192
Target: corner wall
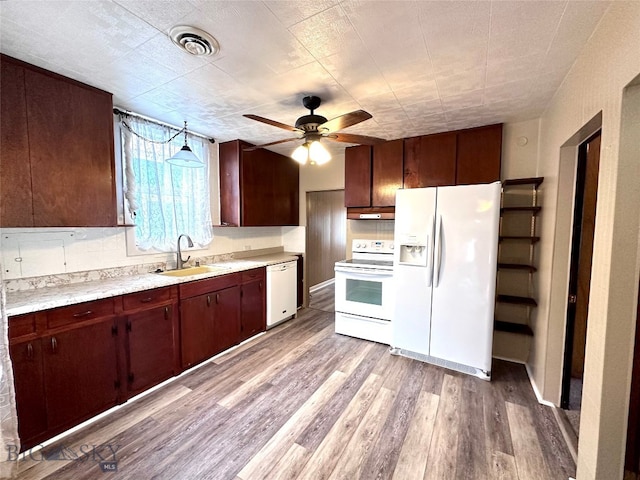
pixel 595 84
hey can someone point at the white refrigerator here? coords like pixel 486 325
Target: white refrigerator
pixel 445 275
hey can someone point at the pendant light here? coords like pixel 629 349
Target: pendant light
pixel 185 157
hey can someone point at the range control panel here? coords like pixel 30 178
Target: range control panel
pixel 372 246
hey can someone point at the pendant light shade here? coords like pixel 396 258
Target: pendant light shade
pixel 313 152
pixel 185 157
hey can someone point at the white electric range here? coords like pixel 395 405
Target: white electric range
pixel 364 294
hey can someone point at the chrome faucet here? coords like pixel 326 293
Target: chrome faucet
pixel 179 261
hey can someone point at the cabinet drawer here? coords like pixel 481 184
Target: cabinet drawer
pixel 80 312
pixel 146 298
pixel 253 274
pixel 201 287
pixel 22 325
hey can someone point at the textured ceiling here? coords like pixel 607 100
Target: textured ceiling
pixel 418 67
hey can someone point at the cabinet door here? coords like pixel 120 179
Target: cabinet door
pixel 300 280
pixel 387 173
pixel 226 319
pixel 357 176
pixel 285 205
pixel 150 338
pixel 479 153
pixel 80 372
pixel 71 149
pixel 257 179
pixel 270 187
pixel 253 308
pixel 430 161
pixel 28 375
pixel 229 153
pixel 16 204
pixel 196 329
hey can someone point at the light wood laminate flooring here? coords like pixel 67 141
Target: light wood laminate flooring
pixel 301 402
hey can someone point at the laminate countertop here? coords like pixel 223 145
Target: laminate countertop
pixel 29 301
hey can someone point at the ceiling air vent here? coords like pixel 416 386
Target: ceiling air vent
pixel 194 41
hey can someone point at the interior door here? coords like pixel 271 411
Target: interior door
pixel 581 256
pixel 464 274
pixel 326 234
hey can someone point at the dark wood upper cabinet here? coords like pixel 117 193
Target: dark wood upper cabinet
pixel 257 187
pixel 16 205
pixel 387 173
pixel 430 160
pixel 64 175
pixel 357 176
pixel 479 153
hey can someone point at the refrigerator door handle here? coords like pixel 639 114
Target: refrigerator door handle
pixel 437 261
pixel 429 253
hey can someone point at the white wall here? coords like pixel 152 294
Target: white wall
pixel 49 251
pixel 520 149
pixel 314 178
pixel 595 84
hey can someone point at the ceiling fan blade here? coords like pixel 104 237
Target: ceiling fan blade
pixel 344 121
pixel 359 139
pixel 255 147
pixel 273 122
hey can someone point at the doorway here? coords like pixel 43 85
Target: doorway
pixel 584 215
pixel 326 235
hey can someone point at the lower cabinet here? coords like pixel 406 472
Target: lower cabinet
pixel 28 377
pixel 80 373
pixel 73 362
pixel 209 317
pixel 253 305
pixel 150 348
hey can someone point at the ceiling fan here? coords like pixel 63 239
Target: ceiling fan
pixel 314 127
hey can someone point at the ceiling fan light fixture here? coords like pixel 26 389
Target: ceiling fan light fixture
pixel 185 156
pixel 301 154
pixel 318 154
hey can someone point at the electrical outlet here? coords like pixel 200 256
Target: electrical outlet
pixel 247 247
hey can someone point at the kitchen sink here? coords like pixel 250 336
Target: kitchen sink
pixel 185 272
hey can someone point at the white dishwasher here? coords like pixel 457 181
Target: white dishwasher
pixel 281 292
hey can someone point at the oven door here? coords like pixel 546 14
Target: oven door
pixel 364 291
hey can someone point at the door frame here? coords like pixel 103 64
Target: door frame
pixel 573 277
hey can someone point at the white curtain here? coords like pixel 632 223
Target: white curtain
pixel 164 200
pixel 8 416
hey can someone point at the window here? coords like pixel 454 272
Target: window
pixel 163 200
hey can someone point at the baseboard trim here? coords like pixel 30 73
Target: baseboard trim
pixel 541 400
pixel 320 285
pixel 512 360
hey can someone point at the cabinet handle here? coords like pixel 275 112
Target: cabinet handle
pixel 146 300
pixel 82 314
pixel 54 345
pixel 208 300
pixel 166 313
pixel 217 298
pixel 29 351
pixel 261 285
